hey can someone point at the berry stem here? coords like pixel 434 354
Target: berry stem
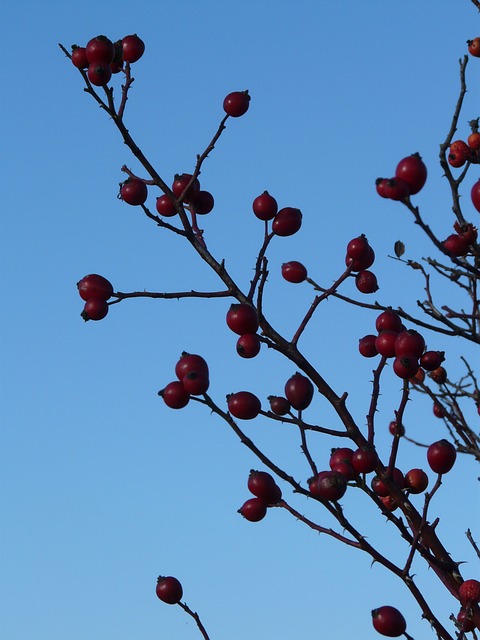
pixel 196 617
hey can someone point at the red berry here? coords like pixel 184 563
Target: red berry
pixel 438 410
pixel 279 406
pixel 169 589
pixel 95 309
pixel 243 405
pixel 475 194
pixel 165 206
pixel 236 103
pixel 254 509
pixel 94 286
pixel 358 248
pixel 431 360
pixel 385 343
pixel 242 318
pixel 388 621
pixel 248 345
pixel 79 57
pixel 263 486
pixel 287 221
pixel 364 460
pixel 473 140
pixel 367 347
pixel 346 469
pixel 388 320
pixel 294 271
pixel 467 231
pixel 465 622
pixel 389 503
pixel 396 189
pixel 380 487
pixel 331 485
pixel 174 395
pixel 134 191
pixel 196 383
pixel 99 74
pixel 405 366
pixel 439 375
pixel 456 245
pixel 190 363
pixel 133 48
pixel 474 47
pixel 413 171
pixel 366 281
pixel 299 391
pixel 469 592
pixel 394 428
pixel 416 480
pixel 265 206
pixel 380 184
pixel 441 456
pixel 100 50
pixel 181 182
pixel 409 342
pixel 203 202
pixel 360 264
pixel 457 159
pixel 340 455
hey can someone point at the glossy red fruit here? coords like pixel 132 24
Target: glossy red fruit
pixel 174 395
pixel 380 487
pixel 367 347
pixel 299 391
pixel 396 189
pixel 94 286
pixel 294 271
pixel 265 206
pixel 473 140
pixel 169 589
pixel 331 485
pixel 243 405
pixel 190 363
pixel 134 191
pixel 287 221
pixel 431 360
pixel 79 57
pixel 394 428
pixel 456 245
pixel 236 103
pixel 346 469
pixel 340 455
pixel 380 184
pixel 475 194
pixel 248 345
pixel 413 171
pixel 388 320
pixel 474 47
pixel 438 410
pixel 100 50
pixel 385 343
pixel 364 460
pixel 181 182
pixel 263 486
pixel 409 342
pixel 416 480
pixel 388 621
pixel 196 383
pixel 165 206
pixel 242 318
pixel 99 74
pixel 465 622
pixel 469 592
pixel 360 264
pixel 203 201
pixel 405 366
pixel 366 281
pixel 279 405
pixel 95 309
pixel 358 248
pixel 441 456
pixel 253 510
pixel 458 158
pixel 133 48
pixel 389 503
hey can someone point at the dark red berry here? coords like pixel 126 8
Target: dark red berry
pixel 190 363
pixel 294 271
pixel 79 57
pixel 364 460
pixel 287 221
pixel 242 318
pixel 431 360
pixel 441 456
pixel 243 405
pixel 180 187
pixel 367 347
pixel 248 345
pixel 165 206
pixel 389 320
pixel 409 342
pixel 100 50
pixel 416 480
pixel 388 621
pixel 203 202
pixel 456 245
pixel 99 74
pixel 263 486
pixel 94 286
pixel 405 366
pixel 134 191
pixel 413 171
pixel 174 395
pixel 236 103
pixel 385 343
pixel 196 383
pixel 366 281
pixel 95 309
pixel 253 510
pixel 169 589
pixel 133 48
pixel 396 189
pixel 265 206
pixel 299 391
pixel 469 592
pixel 278 405
pixel 331 485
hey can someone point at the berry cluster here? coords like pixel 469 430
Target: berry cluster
pixel 192 380
pixel 462 241
pixel 267 494
pixel 410 176
pixel 242 319
pixel 95 290
pixel 461 152
pixel 360 256
pixel 101 57
pixel 285 222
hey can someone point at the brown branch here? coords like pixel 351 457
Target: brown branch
pixel 169 295
pixel 196 617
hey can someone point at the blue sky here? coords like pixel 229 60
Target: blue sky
pixel 103 487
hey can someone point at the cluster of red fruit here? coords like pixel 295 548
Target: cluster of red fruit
pixel 192 380
pixel 95 290
pixel 102 57
pixel 267 494
pixel 410 176
pixel 242 319
pixel 469 594
pixel 461 152
pixel 461 242
pixel 360 256
pixel 406 346
pixel 286 221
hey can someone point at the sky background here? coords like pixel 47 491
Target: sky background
pixel 103 486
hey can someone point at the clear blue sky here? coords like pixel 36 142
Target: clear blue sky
pixel 103 487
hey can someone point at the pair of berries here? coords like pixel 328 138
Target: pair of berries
pixel 459 243
pixel 285 222
pixel 192 380
pixel 95 290
pixel 298 395
pixel 267 494
pixel 410 177
pixel 461 152
pixel 102 57
pixel 242 319
pixel 360 256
